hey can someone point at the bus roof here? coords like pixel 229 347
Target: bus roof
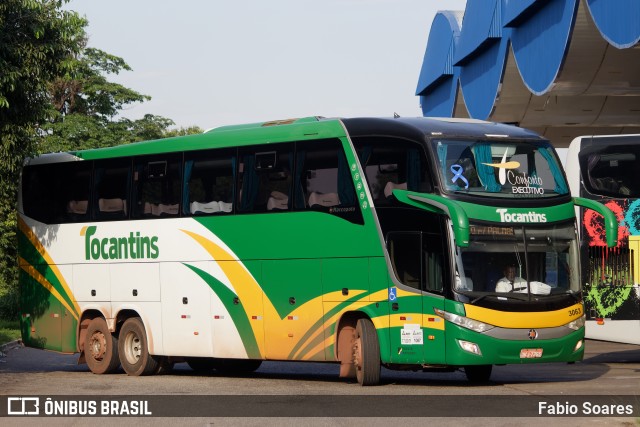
pixel 308 128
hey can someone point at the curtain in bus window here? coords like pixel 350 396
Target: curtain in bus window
pixel 486 173
pixel 442 158
pixel 138 178
pixel 250 183
pixel 413 169
pixel 188 168
pixel 233 178
pixel 561 187
pixel 533 173
pixel 98 177
pixel 365 155
pixel 298 190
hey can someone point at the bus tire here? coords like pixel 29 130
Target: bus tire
pixel 133 349
pixel 478 373
pixel 366 353
pixel 165 365
pixel 101 348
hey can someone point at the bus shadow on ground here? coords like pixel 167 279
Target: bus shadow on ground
pixel 502 375
pixel 625 356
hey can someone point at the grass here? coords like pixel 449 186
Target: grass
pixel 9 331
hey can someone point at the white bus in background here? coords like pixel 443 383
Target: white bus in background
pixel 607 169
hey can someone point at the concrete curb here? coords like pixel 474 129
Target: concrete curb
pixel 10 346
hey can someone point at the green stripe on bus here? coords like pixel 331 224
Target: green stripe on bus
pixel 241 322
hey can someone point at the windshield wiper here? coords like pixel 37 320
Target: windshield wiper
pixel 481 297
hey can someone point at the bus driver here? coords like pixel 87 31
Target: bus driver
pixel 511 283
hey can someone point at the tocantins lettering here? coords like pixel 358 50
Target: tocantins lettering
pixel 505 216
pixel 134 246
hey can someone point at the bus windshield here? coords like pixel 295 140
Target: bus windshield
pixel 519 260
pixel 506 169
pixel 610 170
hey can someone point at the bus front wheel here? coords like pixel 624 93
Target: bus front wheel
pixel 133 349
pixel 101 348
pixel 366 353
pixel 478 373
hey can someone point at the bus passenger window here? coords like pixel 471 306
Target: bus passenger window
pixel 111 183
pixel 323 182
pixel 156 182
pixel 392 164
pixel 77 183
pixel 57 193
pixel 265 178
pixel 209 181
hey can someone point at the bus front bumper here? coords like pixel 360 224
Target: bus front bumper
pixel 465 347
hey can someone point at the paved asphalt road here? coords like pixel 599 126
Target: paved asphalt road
pixel 608 370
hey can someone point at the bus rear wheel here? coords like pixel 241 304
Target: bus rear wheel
pixel 478 373
pixel 133 349
pixel 366 353
pixel 101 348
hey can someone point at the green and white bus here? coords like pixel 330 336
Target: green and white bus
pixel 365 242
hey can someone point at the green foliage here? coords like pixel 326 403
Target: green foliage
pixel 55 96
pixel 36 36
pixel 9 331
pixel 84 88
pixel 79 131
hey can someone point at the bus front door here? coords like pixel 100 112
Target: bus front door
pixel 416 333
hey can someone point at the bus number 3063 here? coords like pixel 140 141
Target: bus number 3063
pixel 575 312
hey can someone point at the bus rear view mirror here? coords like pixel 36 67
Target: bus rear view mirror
pixel 266 161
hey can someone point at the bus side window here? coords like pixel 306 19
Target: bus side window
pixel 156 186
pixel 391 164
pixel 38 193
pixel 77 182
pixel 433 262
pixel 323 181
pixel 265 178
pixel 209 179
pixel 404 252
pixel 57 193
pixel 111 189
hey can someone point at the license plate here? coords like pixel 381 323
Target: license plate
pixel 530 353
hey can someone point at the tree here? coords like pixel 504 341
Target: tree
pixel 36 37
pixel 86 104
pixel 55 96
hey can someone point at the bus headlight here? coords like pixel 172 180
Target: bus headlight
pixel 464 322
pixel 578 345
pixel 576 324
pixel 471 347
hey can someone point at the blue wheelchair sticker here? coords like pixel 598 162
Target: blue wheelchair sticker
pixel 392 294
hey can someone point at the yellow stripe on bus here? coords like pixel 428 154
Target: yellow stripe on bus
pixel 319 331
pixel 35 274
pixel 54 268
pixel 538 319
